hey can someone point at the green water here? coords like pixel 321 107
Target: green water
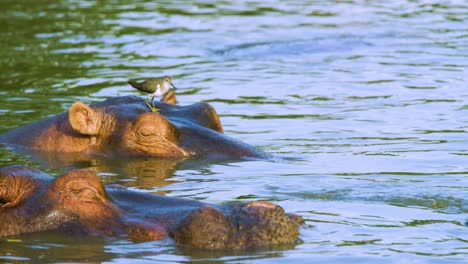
pixel 364 105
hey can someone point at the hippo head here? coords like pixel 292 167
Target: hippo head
pixel 245 225
pixel 32 201
pixel 76 203
pixel 124 126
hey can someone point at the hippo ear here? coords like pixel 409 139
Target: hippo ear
pixel 84 119
pixel 169 98
pixel 15 189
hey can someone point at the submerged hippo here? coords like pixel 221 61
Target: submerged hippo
pixel 124 126
pixel 76 203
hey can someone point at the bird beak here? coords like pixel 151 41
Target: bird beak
pixel 173 85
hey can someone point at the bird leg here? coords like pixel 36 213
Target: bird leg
pixel 154 108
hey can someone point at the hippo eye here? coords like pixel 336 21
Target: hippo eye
pixel 146 131
pixel 85 194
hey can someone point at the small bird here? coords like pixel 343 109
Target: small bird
pixel 154 87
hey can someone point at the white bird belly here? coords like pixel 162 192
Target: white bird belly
pixel 161 89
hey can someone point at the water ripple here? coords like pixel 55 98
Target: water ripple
pixel 362 104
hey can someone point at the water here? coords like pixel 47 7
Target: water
pixel 363 104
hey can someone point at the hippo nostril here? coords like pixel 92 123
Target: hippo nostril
pixel 206 228
pixel 296 218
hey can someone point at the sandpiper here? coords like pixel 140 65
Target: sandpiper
pixel 154 87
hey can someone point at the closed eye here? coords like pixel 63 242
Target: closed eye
pixel 145 131
pixel 85 195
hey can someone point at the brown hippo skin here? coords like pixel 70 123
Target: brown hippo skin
pixel 124 126
pixel 76 203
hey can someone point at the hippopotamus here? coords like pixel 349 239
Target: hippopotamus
pixel 126 127
pixel 77 204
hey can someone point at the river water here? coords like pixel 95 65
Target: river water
pixel 363 105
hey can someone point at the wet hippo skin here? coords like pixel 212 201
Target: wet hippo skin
pixel 124 126
pixel 76 203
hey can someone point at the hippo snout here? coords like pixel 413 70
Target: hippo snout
pixel 254 224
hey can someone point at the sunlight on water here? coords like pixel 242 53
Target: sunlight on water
pixel 363 105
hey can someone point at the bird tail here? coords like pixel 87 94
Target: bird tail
pixel 135 84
